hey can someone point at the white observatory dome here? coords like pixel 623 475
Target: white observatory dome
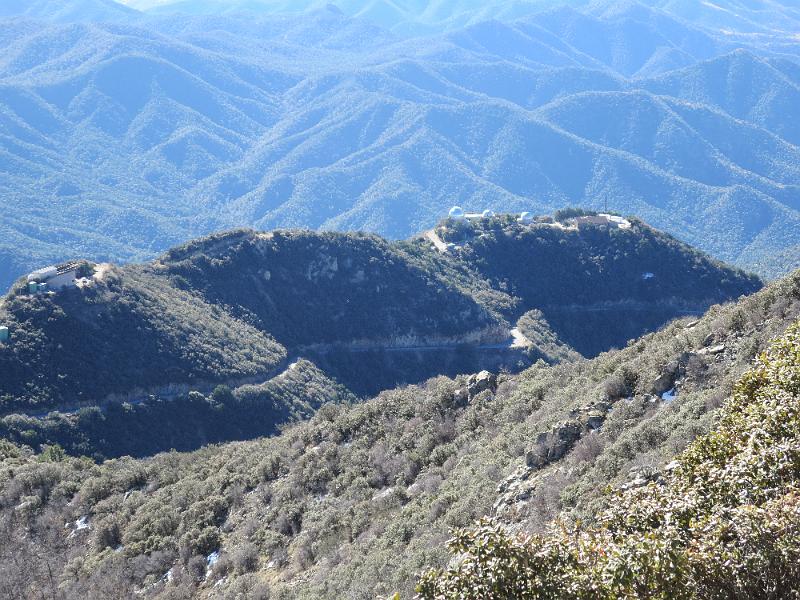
pixel 525 217
pixel 456 212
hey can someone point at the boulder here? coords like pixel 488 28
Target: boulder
pixel 461 397
pixel 594 419
pixel 601 406
pixel 480 383
pixel 554 444
pixel 640 477
pixel 666 381
pixel 711 351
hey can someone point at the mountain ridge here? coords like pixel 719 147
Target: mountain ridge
pixel 237 307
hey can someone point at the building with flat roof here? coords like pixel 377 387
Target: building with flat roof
pixel 602 219
pixel 54 277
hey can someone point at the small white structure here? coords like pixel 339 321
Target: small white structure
pixel 602 219
pixel 42 275
pixel 616 220
pixel 456 213
pixel 525 218
pixel 53 278
pixel 648 275
pixel 487 214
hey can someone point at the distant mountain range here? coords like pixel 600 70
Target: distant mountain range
pixel 418 16
pixel 123 133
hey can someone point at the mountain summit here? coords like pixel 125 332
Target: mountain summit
pixel 234 308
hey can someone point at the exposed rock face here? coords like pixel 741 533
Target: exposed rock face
pixel 595 419
pixel 554 444
pixel 476 384
pixel 481 382
pixel 713 350
pixel 461 397
pixel 549 447
pixel 666 380
pixel 640 477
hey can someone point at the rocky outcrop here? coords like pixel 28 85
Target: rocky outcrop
pixel 476 384
pixel 711 350
pixel 481 382
pixel 554 444
pixel 549 447
pixel 669 374
pixel 640 477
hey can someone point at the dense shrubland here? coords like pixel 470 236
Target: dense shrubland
pixel 210 311
pixel 360 499
pixel 590 284
pixel 315 288
pixel 183 423
pixel 129 331
pixel 723 522
pixel 544 265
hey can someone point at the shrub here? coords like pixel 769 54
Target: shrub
pixel 726 523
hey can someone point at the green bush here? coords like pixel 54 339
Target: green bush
pixel 724 523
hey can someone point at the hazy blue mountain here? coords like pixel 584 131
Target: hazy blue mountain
pixel 733 17
pixel 67 10
pixel 743 85
pixel 746 16
pixel 409 16
pixel 120 139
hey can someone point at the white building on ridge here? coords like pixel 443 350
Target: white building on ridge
pixel 54 278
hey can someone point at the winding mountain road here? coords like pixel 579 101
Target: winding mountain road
pixel 516 341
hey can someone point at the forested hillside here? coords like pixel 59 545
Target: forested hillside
pixel 126 331
pixel 185 422
pixel 232 308
pixel 307 288
pixel 722 521
pixel 123 134
pixel 360 499
pixel 599 287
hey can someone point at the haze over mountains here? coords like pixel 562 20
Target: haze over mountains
pixel 123 133
pixel 424 15
pixel 266 366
